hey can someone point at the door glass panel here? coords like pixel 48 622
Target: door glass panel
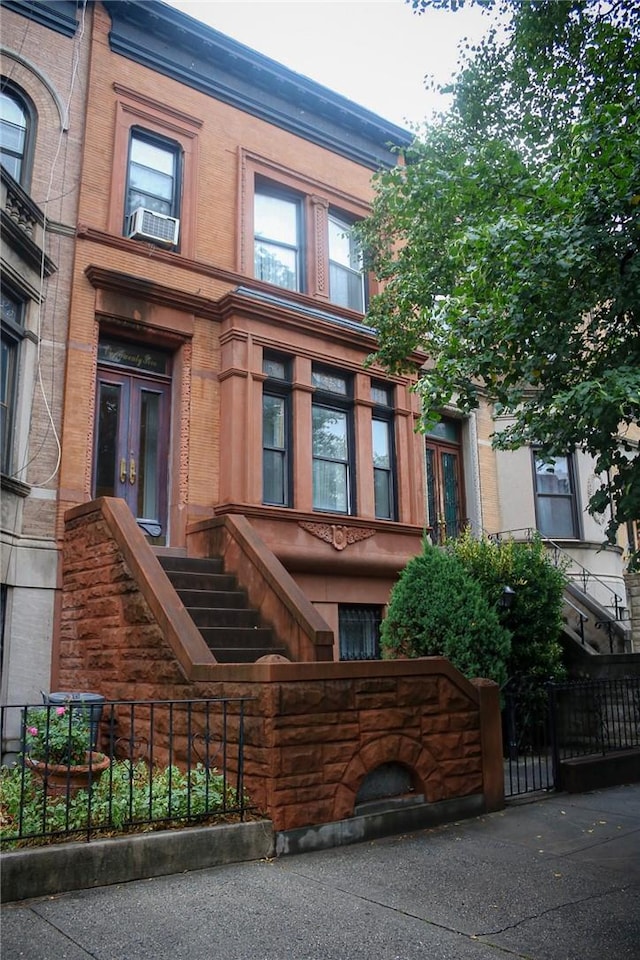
pixel 109 402
pixel 450 478
pixel 148 507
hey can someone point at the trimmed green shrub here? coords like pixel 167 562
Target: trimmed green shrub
pixel 535 616
pixel 437 609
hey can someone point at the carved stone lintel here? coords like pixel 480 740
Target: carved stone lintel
pixel 338 535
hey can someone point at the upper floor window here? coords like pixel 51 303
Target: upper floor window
pixel 276 433
pixel 12 334
pixel 346 277
pixel 153 181
pixel 383 451
pixel 16 127
pixel 277 238
pixel 298 234
pixel 332 442
pixel 556 504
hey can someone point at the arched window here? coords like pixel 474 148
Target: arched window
pixel 16 132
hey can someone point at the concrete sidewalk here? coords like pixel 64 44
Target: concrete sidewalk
pixel 555 879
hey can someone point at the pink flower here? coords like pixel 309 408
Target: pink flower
pixel 33 731
pixel 61 711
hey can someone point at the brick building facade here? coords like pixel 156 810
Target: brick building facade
pixel 202 338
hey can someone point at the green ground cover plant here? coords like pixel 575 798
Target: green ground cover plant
pixel 128 797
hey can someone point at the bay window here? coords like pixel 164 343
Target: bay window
pixel 556 506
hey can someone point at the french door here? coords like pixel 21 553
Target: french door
pixel 132 446
pixel 445 501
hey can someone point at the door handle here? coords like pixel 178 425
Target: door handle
pixel 123 470
pixel 132 471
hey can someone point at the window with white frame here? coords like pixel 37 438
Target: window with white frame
pixel 332 442
pixel 346 277
pixel 383 451
pixel 12 335
pixel 555 496
pixel 276 432
pixel 277 224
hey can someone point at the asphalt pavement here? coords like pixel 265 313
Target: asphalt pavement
pixel 553 879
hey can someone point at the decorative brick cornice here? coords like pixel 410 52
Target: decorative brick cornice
pixel 337 534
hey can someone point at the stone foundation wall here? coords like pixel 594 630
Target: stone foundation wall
pixel 312 731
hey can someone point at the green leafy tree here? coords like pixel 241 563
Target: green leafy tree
pixel 509 241
pixel 437 609
pixel 534 618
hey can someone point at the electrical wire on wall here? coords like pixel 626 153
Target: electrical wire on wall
pixel 46 238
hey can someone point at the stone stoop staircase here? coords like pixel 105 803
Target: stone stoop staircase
pixel 219 609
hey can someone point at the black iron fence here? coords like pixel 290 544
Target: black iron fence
pixel 546 723
pixel 81 771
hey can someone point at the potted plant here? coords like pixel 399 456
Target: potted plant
pixel 59 749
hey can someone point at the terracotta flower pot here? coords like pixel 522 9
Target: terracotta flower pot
pixel 61 779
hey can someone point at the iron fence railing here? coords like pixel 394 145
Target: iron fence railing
pixel 148 764
pixel 547 723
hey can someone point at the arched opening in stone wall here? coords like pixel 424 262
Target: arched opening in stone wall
pixel 385 783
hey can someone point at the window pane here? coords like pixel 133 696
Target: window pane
pixel 553 477
pixel 330 486
pixel 276 265
pixel 273 477
pixel 346 287
pixel 278 369
pixel 382 396
pixel 382 493
pixel 143 180
pixel 107 454
pixel 555 517
pixel 148 480
pixel 13 134
pixel 330 382
pixel 343 248
pixel 276 218
pixel 330 434
pixel 273 422
pixel 380 438
pixel 152 156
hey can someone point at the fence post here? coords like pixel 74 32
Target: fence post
pixel 491 743
pixel 552 701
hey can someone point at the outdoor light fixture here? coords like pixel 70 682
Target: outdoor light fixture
pixel 506 598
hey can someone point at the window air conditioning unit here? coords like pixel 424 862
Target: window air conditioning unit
pixel 144 224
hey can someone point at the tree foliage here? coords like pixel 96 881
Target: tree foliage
pixel 534 618
pixel 437 609
pixel 509 239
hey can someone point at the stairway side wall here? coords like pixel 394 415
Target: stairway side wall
pixel 312 731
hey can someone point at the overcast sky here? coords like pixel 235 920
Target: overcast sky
pixel 376 52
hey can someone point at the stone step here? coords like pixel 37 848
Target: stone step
pixel 189 580
pixel 249 638
pixel 223 617
pixel 191 564
pixel 219 609
pixel 212 599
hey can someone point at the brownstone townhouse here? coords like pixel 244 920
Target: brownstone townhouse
pixel 184 323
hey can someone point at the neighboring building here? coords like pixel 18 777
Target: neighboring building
pixel 209 326
pixel 43 86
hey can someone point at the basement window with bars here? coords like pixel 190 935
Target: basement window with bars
pixel 359 632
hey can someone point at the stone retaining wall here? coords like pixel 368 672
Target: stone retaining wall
pixel 312 731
